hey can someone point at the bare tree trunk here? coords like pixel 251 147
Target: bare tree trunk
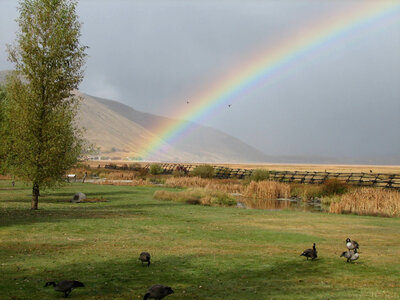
pixel 35 196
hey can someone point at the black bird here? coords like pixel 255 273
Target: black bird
pixel 65 286
pixel 351 255
pixel 158 292
pixel 145 257
pixel 351 245
pixel 310 253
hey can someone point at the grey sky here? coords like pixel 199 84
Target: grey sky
pixel 343 100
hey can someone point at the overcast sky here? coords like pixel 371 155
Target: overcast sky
pixel 342 100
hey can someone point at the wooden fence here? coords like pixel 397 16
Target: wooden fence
pixel 359 179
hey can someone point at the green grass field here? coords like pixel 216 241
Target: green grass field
pixel 201 252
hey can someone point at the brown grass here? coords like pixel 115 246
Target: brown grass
pixel 368 201
pixel 268 190
pixel 224 185
pixel 197 196
pixel 134 182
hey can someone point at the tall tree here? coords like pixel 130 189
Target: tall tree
pixel 43 138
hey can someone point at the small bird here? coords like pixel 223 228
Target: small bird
pixel 351 255
pixel 351 245
pixel 229 105
pixel 65 286
pixel 145 257
pixel 158 292
pixel 310 253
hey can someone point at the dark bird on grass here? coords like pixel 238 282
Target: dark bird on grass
pixel 351 255
pixel 65 286
pixel 351 245
pixel 370 171
pixel 158 292
pixel 145 257
pixel 310 253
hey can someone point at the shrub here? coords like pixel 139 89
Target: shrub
pixel 156 169
pixel 334 187
pixel 259 175
pixel 134 167
pixel 203 171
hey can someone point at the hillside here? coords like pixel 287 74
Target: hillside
pixel 203 143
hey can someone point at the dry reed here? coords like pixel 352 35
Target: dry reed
pixel 267 190
pixel 368 201
pixel 223 185
pixel 197 196
pixel 133 182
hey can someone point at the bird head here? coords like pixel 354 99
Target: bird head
pixel 347 240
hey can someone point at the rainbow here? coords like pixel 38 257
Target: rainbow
pixel 263 66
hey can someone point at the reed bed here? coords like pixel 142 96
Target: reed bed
pixel 259 203
pixel 197 196
pixel 267 190
pixel 132 182
pixel 368 201
pixel 223 185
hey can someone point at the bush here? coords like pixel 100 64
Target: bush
pixel 204 171
pixel 135 167
pixel 259 175
pixel 156 169
pixel 334 187
pixel 178 173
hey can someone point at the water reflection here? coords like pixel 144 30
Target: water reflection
pixel 280 204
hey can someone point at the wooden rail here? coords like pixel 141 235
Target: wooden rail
pixel 309 177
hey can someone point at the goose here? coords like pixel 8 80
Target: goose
pixel 351 255
pixel 65 286
pixel 351 245
pixel 145 256
pixel 158 292
pixel 347 254
pixel 310 253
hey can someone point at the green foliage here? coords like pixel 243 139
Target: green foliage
pixel 259 175
pixel 42 138
pixel 204 171
pixel 156 169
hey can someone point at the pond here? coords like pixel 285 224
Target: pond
pixel 298 204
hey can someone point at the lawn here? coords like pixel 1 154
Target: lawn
pixel 201 252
